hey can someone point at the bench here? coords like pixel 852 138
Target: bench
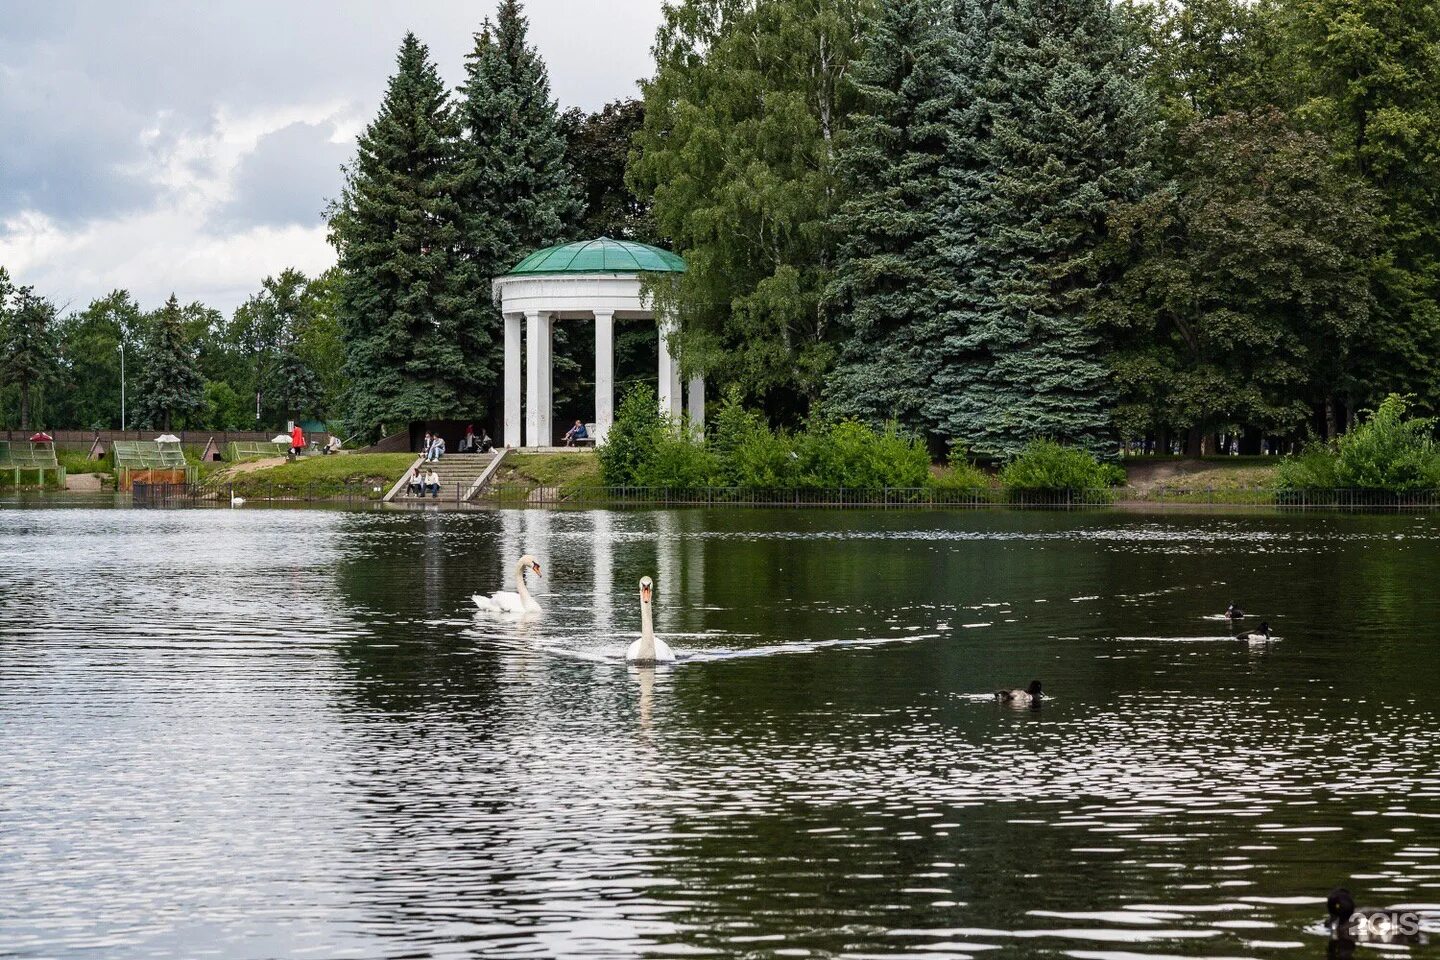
pixel 588 440
pixel 20 456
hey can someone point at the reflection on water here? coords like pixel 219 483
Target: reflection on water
pixel 287 733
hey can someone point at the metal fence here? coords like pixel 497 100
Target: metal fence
pixel 166 494
pixel 886 497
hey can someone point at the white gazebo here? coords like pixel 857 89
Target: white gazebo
pixel 595 280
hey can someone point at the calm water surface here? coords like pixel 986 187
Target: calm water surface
pixel 266 733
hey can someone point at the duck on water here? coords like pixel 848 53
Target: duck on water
pixel 1029 697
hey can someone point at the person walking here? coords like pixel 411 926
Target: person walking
pixel 297 441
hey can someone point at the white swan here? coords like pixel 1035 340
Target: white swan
pixel 518 602
pixel 649 648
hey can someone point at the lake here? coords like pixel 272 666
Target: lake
pixel 257 733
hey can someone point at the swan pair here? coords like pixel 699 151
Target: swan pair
pixel 649 649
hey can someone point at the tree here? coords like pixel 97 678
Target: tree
pixel 170 386
pixel 284 337
pixel 514 188
pixel 1369 72
pixel 90 343
pixel 406 315
pixel 1241 285
pixel 29 345
pixel 597 149
pixel 893 275
pixel 736 155
pixel 1064 129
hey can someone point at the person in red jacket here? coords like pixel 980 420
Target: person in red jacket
pixel 297 441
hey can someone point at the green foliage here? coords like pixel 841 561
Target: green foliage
pixel 91 364
pixel 1045 466
pixel 736 154
pixel 397 229
pixel 636 432
pixel 1063 129
pixel 513 189
pixel 894 273
pixel 597 147
pixel 225 409
pixel 1367 77
pixel 1388 452
pixel 284 344
pixel 960 474
pixel 851 455
pixel 29 343
pixel 170 389
pixel 1239 285
pixel 643 449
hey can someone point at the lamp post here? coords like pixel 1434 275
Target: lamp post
pixel 122 382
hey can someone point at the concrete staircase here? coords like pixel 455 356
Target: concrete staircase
pixel 458 473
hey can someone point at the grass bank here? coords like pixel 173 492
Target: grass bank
pixel 563 472
pixel 315 476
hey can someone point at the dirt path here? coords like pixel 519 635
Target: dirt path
pixel 250 466
pixel 83 482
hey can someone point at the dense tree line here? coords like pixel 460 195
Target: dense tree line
pixel 1086 220
pixel 988 221
pixel 185 366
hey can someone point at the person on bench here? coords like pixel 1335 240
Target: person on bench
pixel 576 432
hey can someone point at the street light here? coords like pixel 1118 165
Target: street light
pixel 122 382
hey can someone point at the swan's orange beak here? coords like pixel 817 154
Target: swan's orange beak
pixel 536 568
pixel 645 594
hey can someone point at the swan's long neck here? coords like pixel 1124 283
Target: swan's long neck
pixel 647 633
pixel 520 583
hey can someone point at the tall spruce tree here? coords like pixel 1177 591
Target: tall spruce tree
pixel 406 315
pixel 893 273
pixel 29 343
pixel 1065 129
pixel 170 385
pixel 515 190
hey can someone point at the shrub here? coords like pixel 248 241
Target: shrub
pixel 960 474
pixel 1388 452
pixel 633 437
pixel 849 454
pixel 1045 466
pixel 678 461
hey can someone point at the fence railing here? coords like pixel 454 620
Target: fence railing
pixel 837 497
pixel 517 495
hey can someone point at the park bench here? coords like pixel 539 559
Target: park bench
pixel 589 439
pixel 21 456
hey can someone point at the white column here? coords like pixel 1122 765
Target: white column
pixel 513 412
pixel 669 388
pixel 547 372
pixel 534 380
pixel 604 373
pixel 695 403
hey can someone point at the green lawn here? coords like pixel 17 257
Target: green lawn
pixel 564 470
pixel 319 476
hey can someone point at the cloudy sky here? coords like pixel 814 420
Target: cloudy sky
pixel 187 146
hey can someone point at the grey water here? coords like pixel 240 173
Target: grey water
pixel 288 733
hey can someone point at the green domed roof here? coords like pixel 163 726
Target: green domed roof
pixel 601 255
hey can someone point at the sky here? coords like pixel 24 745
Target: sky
pixel 190 147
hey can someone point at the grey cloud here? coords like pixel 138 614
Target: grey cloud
pixel 288 177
